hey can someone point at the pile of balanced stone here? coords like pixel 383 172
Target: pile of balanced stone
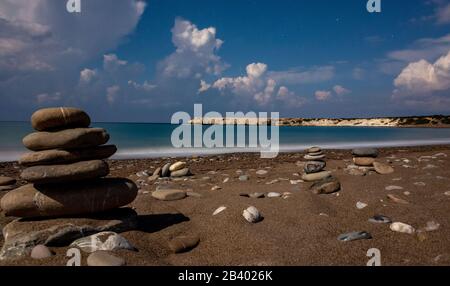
pixel 365 161
pixel 65 172
pixel 324 182
pixel 175 170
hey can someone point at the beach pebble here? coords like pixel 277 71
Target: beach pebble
pixel 432 226
pixel 257 195
pixel 296 182
pixel 219 210
pixel 363 161
pixel 106 240
pixel 406 193
pixel 104 258
pixel 352 236
pixel 272 182
pixel 58 117
pixel 420 184
pixel 326 186
pixel 7 181
pixel 41 252
pixel 261 172
pixel 383 169
pixel 244 178
pixel 356 172
pixel 177 166
pixel 402 227
pixel 165 172
pixel 157 172
pixel 311 157
pixel 314 166
pixel 226 180
pixel 380 219
pixel 447 193
pixel 393 188
pixel 169 194
pixel 180 173
pixel 273 195
pixel 365 152
pixel 397 200
pixel 251 214
pixel 314 149
pixel 361 205
pixel 184 243
pixel 316 176
pixel 215 188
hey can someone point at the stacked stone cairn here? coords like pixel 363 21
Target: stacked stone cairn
pixel 65 173
pixel 323 181
pixel 365 160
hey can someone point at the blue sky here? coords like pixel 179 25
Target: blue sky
pixel 142 61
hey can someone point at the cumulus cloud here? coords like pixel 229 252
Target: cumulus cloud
pixel 340 90
pixel 145 86
pixel 322 95
pixel 423 77
pixel 204 86
pixel 112 93
pixel 195 54
pixel 87 75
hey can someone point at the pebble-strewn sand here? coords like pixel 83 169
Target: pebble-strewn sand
pixel 299 230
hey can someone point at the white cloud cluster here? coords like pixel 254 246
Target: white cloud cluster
pixel 340 90
pixel 195 53
pixel 257 85
pixel 324 95
pixel 112 93
pixel 87 75
pixel 423 77
pixel 145 86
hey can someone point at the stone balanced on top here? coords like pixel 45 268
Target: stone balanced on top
pixel 66 170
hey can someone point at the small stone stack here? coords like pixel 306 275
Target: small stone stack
pixel 66 170
pixel 364 157
pixel 175 170
pixel 324 182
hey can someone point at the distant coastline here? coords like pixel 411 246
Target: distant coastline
pixel 434 121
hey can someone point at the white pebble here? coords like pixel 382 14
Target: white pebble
pixel 219 210
pixel 402 227
pixel 361 205
pixel 393 188
pixel 251 214
pixel 273 195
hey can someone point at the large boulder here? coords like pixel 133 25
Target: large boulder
pixel 68 199
pixel 66 139
pixel 59 118
pixel 54 157
pixel 22 235
pixel 65 173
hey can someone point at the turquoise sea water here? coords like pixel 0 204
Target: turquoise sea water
pixel 142 140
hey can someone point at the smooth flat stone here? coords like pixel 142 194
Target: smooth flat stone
pixel 316 153
pixel 184 243
pixel 257 195
pixel 314 166
pixel 273 195
pixel 105 240
pixel 261 173
pixel 326 186
pixel 244 178
pixel 57 157
pixel 383 169
pixel 58 118
pixel 41 252
pixel 402 228
pixel 316 176
pixel 169 194
pixel 352 236
pixel 380 219
pixel 66 139
pixel 103 258
pixel 309 157
pixel 397 200
pixel 393 188
pixel 21 235
pixel 314 150
pixel 363 161
pixel 361 205
pixel 365 152
pixel 177 166
pixel 165 172
pixel 7 181
pixel 66 173
pixel 69 199
pixel 219 210
pixel 180 173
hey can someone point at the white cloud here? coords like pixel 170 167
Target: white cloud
pixel 195 53
pixel 112 93
pixel 112 63
pixel 425 48
pixel 145 86
pixel 424 77
pixel 204 86
pixel 340 90
pixel 322 95
pixel 87 75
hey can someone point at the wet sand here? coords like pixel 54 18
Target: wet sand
pixel 301 229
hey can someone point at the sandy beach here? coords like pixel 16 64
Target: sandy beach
pixel 300 228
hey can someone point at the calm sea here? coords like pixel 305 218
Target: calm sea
pixel 145 140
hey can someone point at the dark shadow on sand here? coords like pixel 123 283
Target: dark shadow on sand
pixel 157 222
